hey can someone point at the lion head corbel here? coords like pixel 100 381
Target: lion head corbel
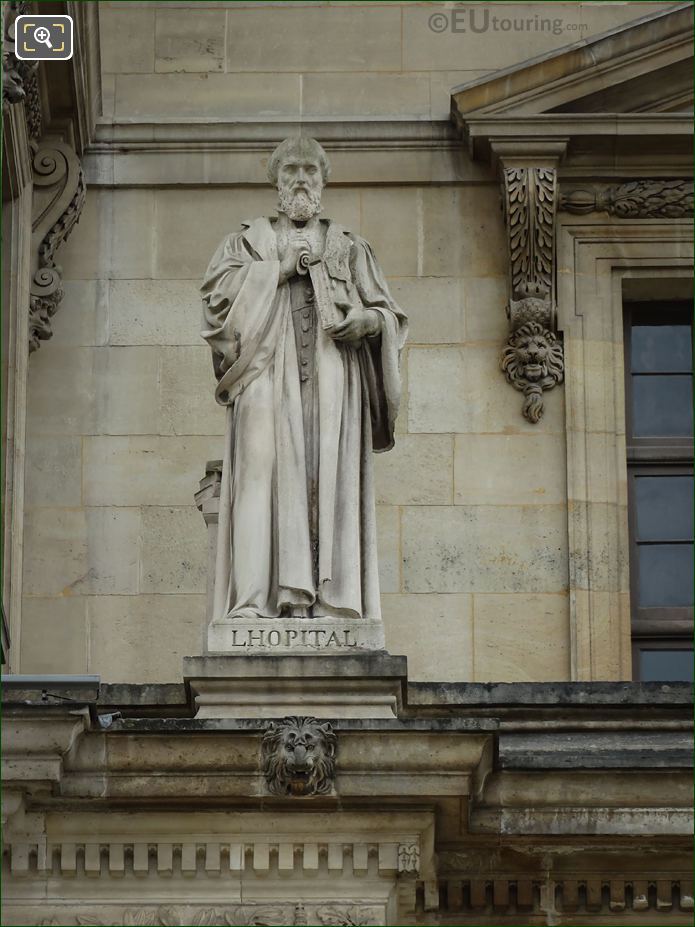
pixel 298 757
pixel 533 361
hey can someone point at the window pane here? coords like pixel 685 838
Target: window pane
pixel 662 406
pixel 664 508
pixel 666 665
pixel 660 348
pixel 665 575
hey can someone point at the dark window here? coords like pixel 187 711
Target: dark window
pixel 659 407
pixel 663 660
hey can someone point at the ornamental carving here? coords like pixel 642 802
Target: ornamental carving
pixel 639 199
pixel 272 915
pixel 298 757
pixel 409 858
pixel 59 195
pixel 533 362
pixel 533 358
pixel 19 78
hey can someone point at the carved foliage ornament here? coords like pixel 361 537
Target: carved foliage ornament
pixel 530 203
pixel 298 757
pixel 639 199
pixel 59 195
pixel 19 78
pixel 274 915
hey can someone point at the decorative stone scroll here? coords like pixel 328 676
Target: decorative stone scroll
pixel 19 78
pixel 532 360
pixel 638 199
pixel 59 195
pixel 298 757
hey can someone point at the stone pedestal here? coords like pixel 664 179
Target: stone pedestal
pixel 293 636
pixel 368 685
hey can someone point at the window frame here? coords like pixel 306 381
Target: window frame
pixel 663 627
pixel 656 643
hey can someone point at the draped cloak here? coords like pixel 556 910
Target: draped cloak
pixel 264 559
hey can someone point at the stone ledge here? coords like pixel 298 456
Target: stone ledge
pixel 368 685
pixel 549 694
pixel 376 663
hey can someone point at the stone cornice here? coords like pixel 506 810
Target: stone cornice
pixel 480 133
pixel 650 43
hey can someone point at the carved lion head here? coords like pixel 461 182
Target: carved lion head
pixel 298 757
pixel 532 362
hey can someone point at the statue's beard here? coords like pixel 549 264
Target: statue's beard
pixel 301 205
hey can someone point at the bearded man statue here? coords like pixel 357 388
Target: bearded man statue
pixel 306 342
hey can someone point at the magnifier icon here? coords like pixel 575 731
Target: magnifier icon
pixel 41 34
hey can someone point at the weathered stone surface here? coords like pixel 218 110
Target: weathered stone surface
pixel 444 232
pixel 417 471
pixel 127 391
pixel 510 470
pixel 174 555
pixel 85 254
pixel 127 40
pixel 144 470
pixel 390 224
pixel 436 387
pixel 143 638
pixel 190 40
pixel 521 638
pixel 53 470
pixel 54 635
pixel 388 525
pixel 186 377
pixel 336 41
pixel 365 95
pixel 217 96
pixel 484 246
pixel 485 298
pixel 435 307
pixel 596 750
pixel 62 392
pixel 482 548
pixel 131 251
pixel 155 312
pixel 435 633
pixel 82 551
pixel 483 44
pixel 558 695
pixel 84 314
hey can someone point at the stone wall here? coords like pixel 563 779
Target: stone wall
pixel 472 501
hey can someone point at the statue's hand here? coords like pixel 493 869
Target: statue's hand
pixel 288 260
pixel 357 324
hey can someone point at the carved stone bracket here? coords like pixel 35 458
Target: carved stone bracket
pixel 532 359
pixel 59 195
pixel 19 78
pixel 298 757
pixel 638 199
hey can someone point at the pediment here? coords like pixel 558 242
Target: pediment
pixel 645 66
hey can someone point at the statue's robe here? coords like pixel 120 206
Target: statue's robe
pixel 265 565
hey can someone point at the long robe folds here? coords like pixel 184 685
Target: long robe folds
pixel 265 563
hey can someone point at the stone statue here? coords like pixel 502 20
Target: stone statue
pixel 306 342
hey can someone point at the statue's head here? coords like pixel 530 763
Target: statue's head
pixel 299 168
